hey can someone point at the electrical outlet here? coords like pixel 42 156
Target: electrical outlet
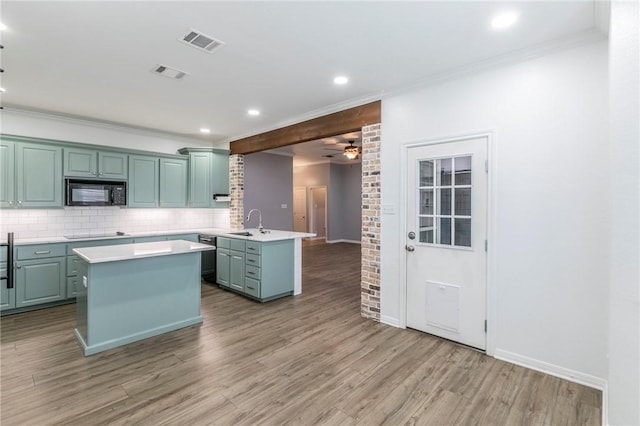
pixel 284 206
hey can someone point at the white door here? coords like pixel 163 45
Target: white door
pixel 300 209
pixel 446 240
pixel 319 211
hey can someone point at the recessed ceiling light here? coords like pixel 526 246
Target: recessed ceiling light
pixel 253 112
pixel 2 26
pixel 504 20
pixel 2 89
pixel 205 130
pixel 341 79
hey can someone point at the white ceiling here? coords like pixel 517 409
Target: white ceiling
pixel 328 150
pixel 93 59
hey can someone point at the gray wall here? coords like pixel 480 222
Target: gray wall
pixel 343 184
pixel 268 184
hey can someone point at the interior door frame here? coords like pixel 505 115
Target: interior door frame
pixel 311 210
pixel 491 301
pixel 306 206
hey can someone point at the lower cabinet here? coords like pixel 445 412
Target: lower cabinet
pixel 262 271
pixel 40 281
pixel 7 295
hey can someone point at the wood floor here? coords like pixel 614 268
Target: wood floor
pixel 309 359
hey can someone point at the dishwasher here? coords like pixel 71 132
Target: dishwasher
pixel 208 258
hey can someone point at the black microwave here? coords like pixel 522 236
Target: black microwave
pixel 81 192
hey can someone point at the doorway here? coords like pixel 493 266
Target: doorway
pixel 318 211
pixel 446 262
pixel 300 209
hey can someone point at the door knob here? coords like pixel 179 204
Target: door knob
pixel 411 235
pixel 409 248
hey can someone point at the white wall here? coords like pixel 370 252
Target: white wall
pixel 23 123
pixel 624 294
pixel 549 252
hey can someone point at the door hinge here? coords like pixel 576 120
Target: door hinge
pixel 486 166
pixel 486 245
pixel 485 326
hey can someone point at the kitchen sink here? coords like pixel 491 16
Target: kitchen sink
pixel 242 234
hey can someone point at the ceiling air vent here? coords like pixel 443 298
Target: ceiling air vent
pixel 168 72
pixel 201 41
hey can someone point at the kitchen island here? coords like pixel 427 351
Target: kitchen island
pixel 131 292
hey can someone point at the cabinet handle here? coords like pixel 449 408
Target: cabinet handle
pixel 251 273
pixel 251 248
pixel 250 288
pixel 19 202
pixel 100 174
pixel 10 203
pixel 18 266
pixel 251 260
pixel 42 252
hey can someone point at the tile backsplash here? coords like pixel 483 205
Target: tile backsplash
pixel 34 223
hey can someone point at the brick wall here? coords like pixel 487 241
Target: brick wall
pixel 370 281
pixel 236 191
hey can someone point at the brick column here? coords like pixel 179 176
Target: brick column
pixel 370 278
pixel 236 191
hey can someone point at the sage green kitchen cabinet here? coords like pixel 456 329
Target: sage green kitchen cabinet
pixel 260 270
pixel 7 184
pixel 144 181
pixel 173 182
pixel 220 176
pixel 150 239
pixel 200 194
pixel 89 163
pixel 208 175
pixel 31 175
pixel 40 274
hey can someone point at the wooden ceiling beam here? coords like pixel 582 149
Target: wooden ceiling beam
pixel 338 123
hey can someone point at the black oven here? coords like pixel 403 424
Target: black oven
pixel 208 259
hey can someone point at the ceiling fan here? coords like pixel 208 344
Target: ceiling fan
pixel 350 150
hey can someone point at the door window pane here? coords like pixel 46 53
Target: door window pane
pixel 426 230
pixel 463 171
pixel 463 202
pixel 444 230
pixel 443 171
pixel 426 173
pixel 426 201
pixel 463 232
pixel 444 201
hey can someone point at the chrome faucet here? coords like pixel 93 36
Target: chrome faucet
pixel 260 228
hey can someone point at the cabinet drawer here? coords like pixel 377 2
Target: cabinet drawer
pixel 237 245
pixel 253 247
pixel 223 242
pixel 73 287
pixel 253 260
pixel 252 272
pixel 3 254
pixel 40 251
pixel 72 266
pixel 252 287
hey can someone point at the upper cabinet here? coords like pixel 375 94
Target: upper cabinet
pixel 144 181
pixel 89 163
pixel 31 175
pixel 208 175
pixel 173 182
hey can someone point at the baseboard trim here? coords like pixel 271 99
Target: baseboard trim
pixel 394 322
pixel 554 370
pixel 344 241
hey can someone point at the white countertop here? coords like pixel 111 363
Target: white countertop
pixel 120 252
pixel 272 235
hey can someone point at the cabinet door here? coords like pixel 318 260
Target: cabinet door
pixel 222 267
pixel 200 194
pixel 7 159
pixel 38 175
pixel 7 295
pixel 112 165
pixel 80 162
pixel 143 189
pixel 220 177
pixel 236 270
pixel 173 182
pixel 40 281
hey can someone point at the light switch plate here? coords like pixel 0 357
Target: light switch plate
pixel 284 206
pixel 388 209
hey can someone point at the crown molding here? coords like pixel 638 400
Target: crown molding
pixel 602 15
